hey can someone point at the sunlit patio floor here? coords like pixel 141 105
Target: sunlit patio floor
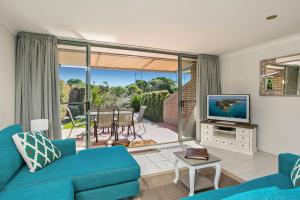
pixel 157 132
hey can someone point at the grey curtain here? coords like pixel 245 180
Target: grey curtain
pixel 208 80
pixel 37 90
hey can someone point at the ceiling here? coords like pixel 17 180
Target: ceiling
pixel 199 26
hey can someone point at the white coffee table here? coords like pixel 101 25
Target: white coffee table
pixel 198 182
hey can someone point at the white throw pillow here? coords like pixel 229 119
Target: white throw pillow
pixel 36 149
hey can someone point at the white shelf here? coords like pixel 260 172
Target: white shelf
pixel 240 138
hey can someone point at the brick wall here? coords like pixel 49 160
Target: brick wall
pixel 170 112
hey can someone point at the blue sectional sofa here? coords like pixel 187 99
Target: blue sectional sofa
pixel 103 173
pixel 272 187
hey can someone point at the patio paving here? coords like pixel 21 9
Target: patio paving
pixel 158 132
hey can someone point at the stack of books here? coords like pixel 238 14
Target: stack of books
pixel 196 153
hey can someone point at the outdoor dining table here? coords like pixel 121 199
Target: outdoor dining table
pixel 94 115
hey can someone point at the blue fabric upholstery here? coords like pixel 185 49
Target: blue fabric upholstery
pixel 286 162
pixel 270 193
pixel 119 191
pixel 255 188
pixel 67 147
pixel 89 169
pixel 57 189
pixel 289 194
pixel 279 180
pixel 104 173
pixel 10 159
pixel 215 194
pixel 262 193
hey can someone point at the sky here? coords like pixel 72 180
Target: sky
pixel 115 77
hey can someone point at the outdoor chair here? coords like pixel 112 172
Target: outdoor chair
pixel 105 120
pixel 74 123
pixel 111 107
pixel 125 119
pixel 139 119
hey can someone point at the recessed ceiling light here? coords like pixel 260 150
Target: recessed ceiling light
pixel 271 17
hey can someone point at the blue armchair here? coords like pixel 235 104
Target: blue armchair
pixel 104 173
pixel 275 186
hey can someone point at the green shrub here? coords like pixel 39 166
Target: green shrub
pixel 135 103
pixel 154 102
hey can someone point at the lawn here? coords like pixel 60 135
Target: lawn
pixel 68 124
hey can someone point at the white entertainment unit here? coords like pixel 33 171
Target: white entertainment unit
pixel 238 137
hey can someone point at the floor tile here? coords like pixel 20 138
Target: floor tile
pixel 156 157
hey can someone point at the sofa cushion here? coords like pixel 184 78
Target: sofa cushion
pixel 36 149
pixel 10 159
pixel 295 174
pixel 280 180
pixel 88 169
pixel 290 194
pixel 52 190
pixel 215 194
pixel 268 193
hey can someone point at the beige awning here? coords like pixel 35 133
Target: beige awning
pixel 104 60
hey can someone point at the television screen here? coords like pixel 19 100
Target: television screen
pixel 228 107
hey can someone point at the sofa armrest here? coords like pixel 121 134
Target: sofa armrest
pixel 67 147
pixel 286 162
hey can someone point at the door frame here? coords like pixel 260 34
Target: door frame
pixel 181 102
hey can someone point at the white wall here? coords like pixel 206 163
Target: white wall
pixel 7 77
pixel 278 118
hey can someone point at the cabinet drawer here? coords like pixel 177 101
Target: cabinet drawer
pixel 207 127
pixel 242 131
pixel 243 138
pixel 223 142
pixel 206 132
pixel 216 140
pixel 232 144
pixel 243 146
pixel 206 138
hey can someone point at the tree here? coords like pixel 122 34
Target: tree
pixel 142 85
pixel 162 83
pixel 118 91
pixel 73 82
pixel 133 89
pixel 64 91
pixel 104 88
pixel 97 98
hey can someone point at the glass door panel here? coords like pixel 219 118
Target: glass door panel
pixel 74 93
pixel 187 99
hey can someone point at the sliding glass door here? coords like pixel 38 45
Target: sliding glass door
pixel 74 89
pixel 187 110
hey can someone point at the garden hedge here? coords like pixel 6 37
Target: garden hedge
pixel 154 102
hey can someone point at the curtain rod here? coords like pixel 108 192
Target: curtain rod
pixel 80 42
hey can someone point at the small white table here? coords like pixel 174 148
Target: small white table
pixel 193 165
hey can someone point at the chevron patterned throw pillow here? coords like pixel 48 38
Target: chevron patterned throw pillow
pixel 36 149
pixel 295 175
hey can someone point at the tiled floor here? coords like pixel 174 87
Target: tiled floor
pixel 159 132
pixel 241 166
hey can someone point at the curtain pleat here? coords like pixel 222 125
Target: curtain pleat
pixel 37 92
pixel 208 80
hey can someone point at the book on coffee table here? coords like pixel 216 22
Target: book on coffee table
pixel 196 153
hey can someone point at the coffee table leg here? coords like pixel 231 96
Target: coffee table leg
pixel 217 175
pixel 176 160
pixel 192 181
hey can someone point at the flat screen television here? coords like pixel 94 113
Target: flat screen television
pixel 233 108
